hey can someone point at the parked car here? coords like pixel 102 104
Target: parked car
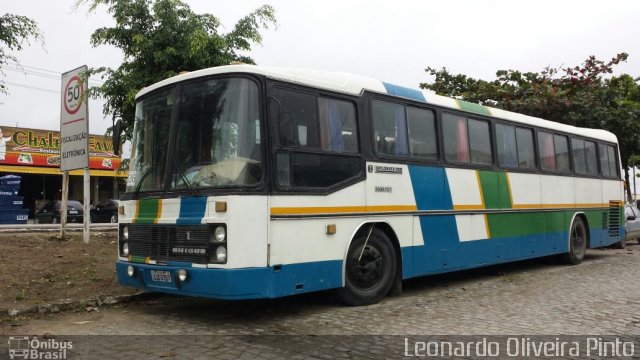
pixel 631 225
pixel 105 212
pixel 50 212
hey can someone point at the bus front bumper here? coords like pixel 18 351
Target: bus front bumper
pixel 246 283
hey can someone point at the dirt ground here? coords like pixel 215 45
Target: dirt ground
pixel 37 268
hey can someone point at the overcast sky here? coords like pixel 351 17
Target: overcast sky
pixel 393 41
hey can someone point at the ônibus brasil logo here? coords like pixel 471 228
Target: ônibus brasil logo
pixel 21 347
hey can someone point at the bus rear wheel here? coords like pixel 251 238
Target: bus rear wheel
pixel 369 270
pixel 577 243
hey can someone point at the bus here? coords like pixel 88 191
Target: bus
pixel 253 182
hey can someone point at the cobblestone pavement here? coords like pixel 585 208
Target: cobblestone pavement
pixel 600 296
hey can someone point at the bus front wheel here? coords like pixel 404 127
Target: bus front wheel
pixel 577 242
pixel 369 270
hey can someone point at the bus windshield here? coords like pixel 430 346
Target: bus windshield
pixel 217 137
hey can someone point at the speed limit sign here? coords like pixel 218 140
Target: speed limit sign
pixel 73 95
pixel 74 121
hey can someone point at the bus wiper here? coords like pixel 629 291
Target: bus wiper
pixel 187 184
pixel 146 173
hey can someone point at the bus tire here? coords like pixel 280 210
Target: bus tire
pixel 577 242
pixel 368 278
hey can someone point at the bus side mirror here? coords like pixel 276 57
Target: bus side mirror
pixel 115 137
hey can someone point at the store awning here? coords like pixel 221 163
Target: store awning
pixel 56 171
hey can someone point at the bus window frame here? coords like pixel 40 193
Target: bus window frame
pixel 470 116
pixel 517 168
pixel 261 187
pixel 276 148
pixel 402 159
pixel 617 175
pixel 553 133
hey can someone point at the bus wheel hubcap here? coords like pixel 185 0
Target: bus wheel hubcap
pixel 577 239
pixel 367 270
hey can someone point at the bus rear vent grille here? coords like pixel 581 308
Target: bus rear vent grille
pixel 615 216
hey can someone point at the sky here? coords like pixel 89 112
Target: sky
pixel 393 41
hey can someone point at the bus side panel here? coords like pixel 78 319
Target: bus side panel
pixel 589 192
pixel 246 219
pixel 446 242
pixel 303 256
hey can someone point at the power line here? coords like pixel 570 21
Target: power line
pixel 35 68
pixel 19 68
pixel 30 72
pixel 33 87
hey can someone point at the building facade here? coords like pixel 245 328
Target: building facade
pixel 34 154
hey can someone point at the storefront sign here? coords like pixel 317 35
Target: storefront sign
pixel 33 147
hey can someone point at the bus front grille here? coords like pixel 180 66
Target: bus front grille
pixel 189 243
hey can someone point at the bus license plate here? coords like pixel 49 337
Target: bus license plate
pixel 161 276
pixel 73 212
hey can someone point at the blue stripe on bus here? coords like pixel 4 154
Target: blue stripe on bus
pixel 444 253
pixel 430 187
pixel 245 283
pixel 405 92
pixel 192 210
pixel 431 191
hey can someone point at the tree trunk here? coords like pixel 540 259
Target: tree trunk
pixel 627 184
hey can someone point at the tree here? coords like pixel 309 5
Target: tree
pixel 580 96
pixel 15 30
pixel 160 39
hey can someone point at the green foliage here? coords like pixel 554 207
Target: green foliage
pixel 160 39
pixel 634 160
pixel 15 31
pixel 581 96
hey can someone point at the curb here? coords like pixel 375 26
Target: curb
pixel 94 227
pixel 67 305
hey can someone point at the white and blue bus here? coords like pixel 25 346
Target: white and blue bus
pixel 256 182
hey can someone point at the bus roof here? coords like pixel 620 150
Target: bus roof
pixel 354 85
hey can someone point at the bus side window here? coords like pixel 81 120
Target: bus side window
pixel 592 157
pixel 524 140
pixel 561 145
pixel 298 119
pixel 506 143
pixel 579 159
pixel 585 159
pixel 456 141
pixel 608 162
pixel 390 128
pixel 613 169
pixel 547 152
pixel 337 125
pixel 466 140
pixel 480 142
pixel 422 133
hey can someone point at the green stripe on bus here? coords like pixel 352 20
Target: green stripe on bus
pixel 495 189
pixel 532 223
pixel 138 259
pixel 148 211
pixel 474 108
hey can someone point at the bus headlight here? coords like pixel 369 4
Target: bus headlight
pixel 125 249
pixel 221 254
pixel 125 232
pixel 182 275
pixel 220 234
pixel 131 271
